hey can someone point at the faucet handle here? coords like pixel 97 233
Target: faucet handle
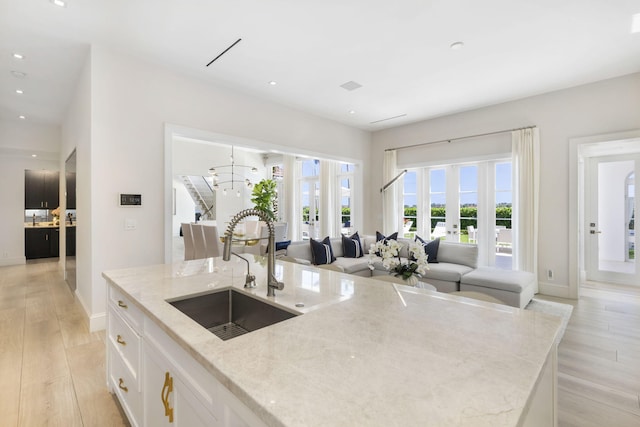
pixel 277 285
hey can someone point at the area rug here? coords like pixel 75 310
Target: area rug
pixel 555 308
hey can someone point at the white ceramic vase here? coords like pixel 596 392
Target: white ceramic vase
pixel 411 281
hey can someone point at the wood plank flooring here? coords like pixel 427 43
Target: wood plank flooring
pixel 54 375
pixel 599 359
pixel 52 368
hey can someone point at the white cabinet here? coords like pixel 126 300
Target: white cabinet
pixel 157 382
pixel 168 401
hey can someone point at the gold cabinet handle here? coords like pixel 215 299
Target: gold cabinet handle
pixel 120 340
pixel 167 388
pixel 122 304
pixel 122 386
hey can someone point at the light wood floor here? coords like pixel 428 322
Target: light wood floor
pixel 53 369
pixel 599 359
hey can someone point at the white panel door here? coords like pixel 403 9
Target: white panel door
pixel 610 239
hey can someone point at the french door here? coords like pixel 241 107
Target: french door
pixel 309 217
pixel 610 200
pixel 471 203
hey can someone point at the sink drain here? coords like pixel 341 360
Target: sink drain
pixel 226 331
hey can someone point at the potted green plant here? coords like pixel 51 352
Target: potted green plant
pixel 264 195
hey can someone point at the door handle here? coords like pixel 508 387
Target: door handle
pixel 595 232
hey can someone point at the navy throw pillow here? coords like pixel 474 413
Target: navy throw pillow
pixel 430 248
pixel 351 246
pixel 380 236
pixel 322 252
pixel 282 245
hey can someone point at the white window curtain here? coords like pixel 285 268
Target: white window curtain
pixel 526 183
pixel 390 217
pixel 291 198
pixel 329 201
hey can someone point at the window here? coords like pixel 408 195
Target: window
pixel 466 203
pixel 345 180
pixel 309 184
pixel 410 203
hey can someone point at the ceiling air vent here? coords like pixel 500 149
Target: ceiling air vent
pixel 351 85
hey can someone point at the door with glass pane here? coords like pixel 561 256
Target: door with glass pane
pixel 453 196
pixel 471 204
pixel 610 239
pixel 310 225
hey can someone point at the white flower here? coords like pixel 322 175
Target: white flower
pixel 389 252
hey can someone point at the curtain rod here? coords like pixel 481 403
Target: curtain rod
pixel 458 138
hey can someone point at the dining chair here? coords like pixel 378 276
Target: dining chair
pixel 189 249
pixel 199 245
pixel 212 241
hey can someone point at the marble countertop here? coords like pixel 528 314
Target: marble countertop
pixel 363 352
pixel 46 225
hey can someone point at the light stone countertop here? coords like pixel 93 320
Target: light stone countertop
pixel 364 352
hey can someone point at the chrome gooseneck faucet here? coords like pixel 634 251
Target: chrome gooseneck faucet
pixel 272 282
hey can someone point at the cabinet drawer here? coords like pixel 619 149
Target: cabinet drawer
pixel 126 308
pixel 123 384
pixel 126 342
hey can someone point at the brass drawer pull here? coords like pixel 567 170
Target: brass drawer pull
pixel 167 388
pixel 122 386
pixel 120 340
pixel 122 304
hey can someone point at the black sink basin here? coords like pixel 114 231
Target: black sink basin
pixel 229 313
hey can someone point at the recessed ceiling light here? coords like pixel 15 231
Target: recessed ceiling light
pixel 635 23
pixel 59 3
pixel 273 83
pixel 22 117
pixel 352 111
pixel 18 56
pixel 19 91
pixel 457 45
pixel 34 155
pixel 18 74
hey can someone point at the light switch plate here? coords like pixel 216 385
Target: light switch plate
pixel 130 224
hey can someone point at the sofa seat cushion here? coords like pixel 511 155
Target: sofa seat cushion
pixel 446 272
pixel 495 278
pixel 352 265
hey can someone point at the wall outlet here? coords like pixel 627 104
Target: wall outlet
pixel 550 274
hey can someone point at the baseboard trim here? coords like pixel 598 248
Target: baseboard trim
pixel 553 290
pixel 4 262
pixel 98 322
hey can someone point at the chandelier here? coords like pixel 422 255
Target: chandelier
pixel 225 176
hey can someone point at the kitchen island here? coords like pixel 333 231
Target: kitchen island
pixel 361 352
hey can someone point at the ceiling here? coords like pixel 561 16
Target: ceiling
pixel 399 51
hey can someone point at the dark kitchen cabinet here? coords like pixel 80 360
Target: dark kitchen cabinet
pixel 41 243
pixel 71 241
pixel 41 189
pixel 71 190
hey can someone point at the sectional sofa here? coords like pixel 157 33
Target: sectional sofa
pixel 454 269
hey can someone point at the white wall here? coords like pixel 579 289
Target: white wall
pixel 131 102
pixel 76 134
pixel 18 141
pixel 604 107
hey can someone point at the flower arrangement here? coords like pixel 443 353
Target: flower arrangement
pixel 389 251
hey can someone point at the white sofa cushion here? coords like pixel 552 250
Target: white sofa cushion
pixel 458 253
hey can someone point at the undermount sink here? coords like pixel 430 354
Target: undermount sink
pixel 230 313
